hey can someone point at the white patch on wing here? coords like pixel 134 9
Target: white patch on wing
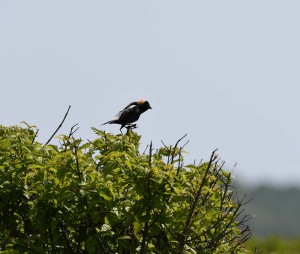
pixel 125 109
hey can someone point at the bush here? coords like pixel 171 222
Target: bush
pixel 105 196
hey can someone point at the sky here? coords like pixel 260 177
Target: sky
pixel 226 73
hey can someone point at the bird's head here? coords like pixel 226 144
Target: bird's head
pixel 144 104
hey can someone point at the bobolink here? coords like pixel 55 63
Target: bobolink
pixel 130 114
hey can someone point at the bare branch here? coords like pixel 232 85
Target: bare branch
pixel 174 149
pixel 179 162
pixel 180 140
pixel 145 149
pixel 164 144
pixel 150 154
pixel 35 136
pixel 73 131
pixel 169 149
pixel 185 144
pixel 59 126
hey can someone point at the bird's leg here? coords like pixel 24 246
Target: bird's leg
pixel 131 126
pixel 121 129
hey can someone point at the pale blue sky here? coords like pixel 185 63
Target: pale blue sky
pixel 224 72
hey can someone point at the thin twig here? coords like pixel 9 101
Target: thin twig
pixel 169 149
pixel 58 126
pixel 145 149
pixel 164 144
pixel 180 140
pixel 77 162
pixel 71 131
pixel 150 154
pixel 179 161
pixel 185 144
pixel 35 136
pixel 173 155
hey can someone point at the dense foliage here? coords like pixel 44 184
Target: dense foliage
pixel 105 196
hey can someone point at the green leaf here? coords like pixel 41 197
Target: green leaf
pixel 137 227
pixel 91 245
pixel 4 144
pixel 105 196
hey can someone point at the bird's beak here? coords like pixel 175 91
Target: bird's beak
pixel 150 107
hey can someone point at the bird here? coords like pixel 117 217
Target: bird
pixel 131 113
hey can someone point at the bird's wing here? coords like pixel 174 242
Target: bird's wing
pixel 129 106
pixel 129 114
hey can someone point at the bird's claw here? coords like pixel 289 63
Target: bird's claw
pixel 131 126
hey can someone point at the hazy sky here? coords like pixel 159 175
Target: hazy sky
pixel 227 73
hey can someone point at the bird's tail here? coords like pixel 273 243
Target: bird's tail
pixel 110 122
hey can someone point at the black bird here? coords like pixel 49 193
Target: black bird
pixel 130 114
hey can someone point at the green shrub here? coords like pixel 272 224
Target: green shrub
pixel 105 196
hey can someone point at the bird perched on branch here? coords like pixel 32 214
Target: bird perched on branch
pixel 130 114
